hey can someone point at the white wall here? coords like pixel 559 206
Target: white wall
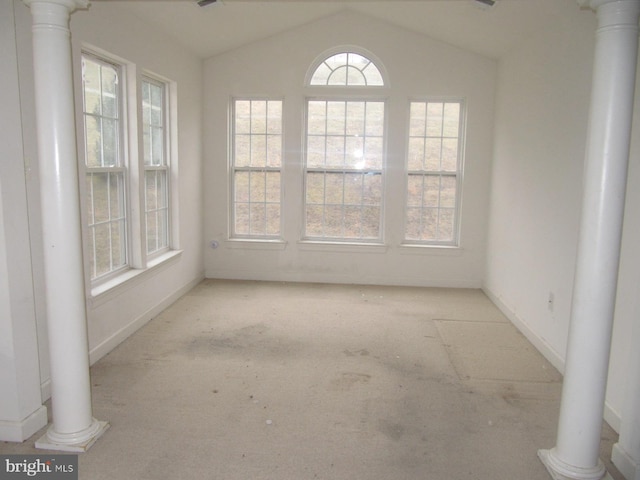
pixel 541 124
pixel 21 410
pixel 110 27
pixel 417 66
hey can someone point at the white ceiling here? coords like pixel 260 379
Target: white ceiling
pixel 211 30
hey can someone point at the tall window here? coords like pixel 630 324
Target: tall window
pixel 256 168
pixel 345 140
pixel 433 172
pixel 345 143
pixel 105 167
pixel 156 167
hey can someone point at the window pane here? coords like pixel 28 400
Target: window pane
pixel 274 151
pixel 451 120
pixel 257 187
pixel 242 150
pixel 416 154
pixel 334 188
pixel 316 151
pixel 434 119
pixel 433 151
pixel 93 141
pixel 415 190
pixel 152 191
pixel 333 221
pixel 241 187
pixel 274 117
pixel 355 77
pixel 374 153
pixel 109 92
pixel 353 184
pixel 335 151
pixel 375 119
pixel 355 118
pixel 448 192
pixel 315 188
pixel 314 220
pixel 273 187
pixel 449 154
pixel 417 120
pixel 242 116
pixel 152 231
pixel 258 151
pixel 100 200
pixel 370 222
pixel 336 118
pixel 110 143
pixel 372 194
pixel 355 152
pixel 273 220
pixel 92 87
pixel 157 147
pixel 317 118
pixel 258 219
pixel 241 215
pixel 352 222
pixel 431 195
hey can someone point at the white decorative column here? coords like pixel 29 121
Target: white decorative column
pixel 73 428
pixel 575 455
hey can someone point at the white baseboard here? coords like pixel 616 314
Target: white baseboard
pixel 22 430
pixel 611 416
pixel 629 468
pixel 121 335
pixel 345 279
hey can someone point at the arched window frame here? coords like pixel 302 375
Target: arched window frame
pixel 346 49
pixel 357 95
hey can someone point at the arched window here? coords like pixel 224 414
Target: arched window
pixel 347 69
pixel 344 150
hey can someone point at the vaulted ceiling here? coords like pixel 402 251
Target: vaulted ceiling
pixel 467 24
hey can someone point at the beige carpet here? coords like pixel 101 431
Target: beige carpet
pixel 249 380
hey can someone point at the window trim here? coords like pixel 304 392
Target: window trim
pixel 455 243
pixel 124 72
pixel 166 167
pixel 346 48
pixel 345 95
pixel 140 264
pixel 250 238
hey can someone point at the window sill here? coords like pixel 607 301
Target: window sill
pixel 424 249
pixel 110 289
pixel 255 244
pixel 312 245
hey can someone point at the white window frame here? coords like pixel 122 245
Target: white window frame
pixel 234 169
pixel 425 173
pixel 346 92
pixel 139 262
pixel 306 236
pixel 164 167
pixel 121 169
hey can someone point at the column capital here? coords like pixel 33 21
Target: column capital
pixel 71 5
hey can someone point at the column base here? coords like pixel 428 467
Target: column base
pixel 77 442
pixel 560 470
